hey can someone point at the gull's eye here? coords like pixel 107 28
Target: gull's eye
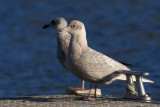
pixel 73 26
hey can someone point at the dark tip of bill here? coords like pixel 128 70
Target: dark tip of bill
pixel 45 26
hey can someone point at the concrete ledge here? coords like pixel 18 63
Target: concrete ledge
pixel 70 101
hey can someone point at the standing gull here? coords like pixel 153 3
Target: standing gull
pixel 63 40
pixel 88 64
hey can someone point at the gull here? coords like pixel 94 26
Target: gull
pixel 89 64
pixel 63 40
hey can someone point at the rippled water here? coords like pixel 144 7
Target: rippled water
pixel 127 30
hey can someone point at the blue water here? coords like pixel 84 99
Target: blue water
pixel 127 30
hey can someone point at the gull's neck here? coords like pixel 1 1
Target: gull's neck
pixel 82 40
pixel 78 45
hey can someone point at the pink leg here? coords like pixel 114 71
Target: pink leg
pixel 83 84
pixel 95 95
pixel 89 98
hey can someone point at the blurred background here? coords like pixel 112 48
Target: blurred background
pixel 127 30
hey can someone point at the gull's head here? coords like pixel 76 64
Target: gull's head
pixel 75 27
pixel 58 24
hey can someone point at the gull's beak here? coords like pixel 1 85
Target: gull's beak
pixel 46 26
